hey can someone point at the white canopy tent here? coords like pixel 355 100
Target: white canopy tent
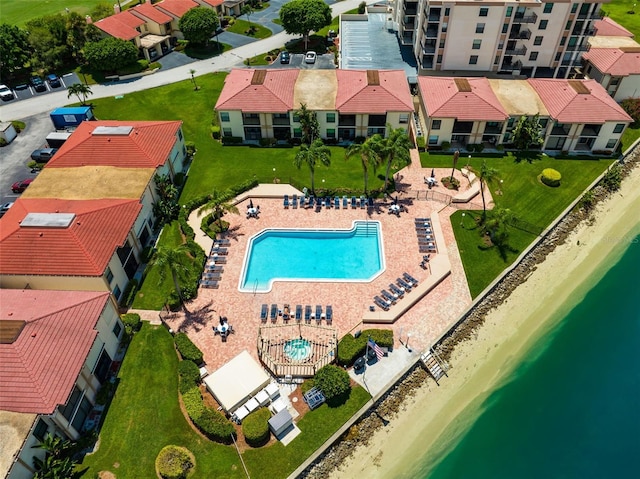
pixel 236 381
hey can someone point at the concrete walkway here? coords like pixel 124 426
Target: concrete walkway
pixel 224 62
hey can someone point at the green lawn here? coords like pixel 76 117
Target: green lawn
pixel 241 27
pixel 145 416
pixel 18 12
pixel 629 136
pixel 618 11
pixel 527 198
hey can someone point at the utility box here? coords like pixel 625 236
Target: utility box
pixel 70 117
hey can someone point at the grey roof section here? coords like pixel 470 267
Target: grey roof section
pixel 112 130
pixel 283 418
pixel 48 220
pixel 373 45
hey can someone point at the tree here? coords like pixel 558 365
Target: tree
pixel 527 133
pixel 173 259
pixel 308 124
pixel 332 380
pixel 311 154
pixel 300 17
pixel 166 209
pixel 247 10
pixel 496 228
pixel 218 205
pixel 193 79
pixel 456 155
pixel 198 25
pixel 369 157
pixel 487 175
pixel 56 464
pixel 395 147
pixel 110 54
pixel 362 8
pixel 14 50
pixel 80 90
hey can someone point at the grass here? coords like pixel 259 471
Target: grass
pixel 527 198
pixel 241 27
pixel 145 416
pixel 618 11
pixel 629 136
pixel 202 52
pixel 20 12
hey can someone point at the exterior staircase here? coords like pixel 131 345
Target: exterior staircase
pixel 433 365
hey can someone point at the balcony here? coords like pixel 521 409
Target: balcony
pixel 578 48
pixel 432 32
pixel 428 49
pixel 251 120
pixel 409 24
pixel 493 130
pixel 516 51
pixel 509 67
pixel 434 17
pixel 595 16
pixel 521 18
pixel 560 130
pixel 521 35
pixel 462 127
pixel 410 8
pixel 590 130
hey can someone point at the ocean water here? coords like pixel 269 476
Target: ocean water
pixel 570 409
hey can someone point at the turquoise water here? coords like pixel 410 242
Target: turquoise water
pixel 571 409
pixel 318 255
pixel 297 349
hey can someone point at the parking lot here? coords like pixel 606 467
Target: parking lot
pixel 323 62
pixel 26 91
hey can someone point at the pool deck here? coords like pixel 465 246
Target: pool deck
pixel 422 315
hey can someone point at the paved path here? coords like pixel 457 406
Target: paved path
pixel 224 62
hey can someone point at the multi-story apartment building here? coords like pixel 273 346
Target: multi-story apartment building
pixel 536 38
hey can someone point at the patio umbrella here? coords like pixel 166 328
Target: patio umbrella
pixel 395 200
pixel 250 203
pixel 433 173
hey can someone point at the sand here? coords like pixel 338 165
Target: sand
pixel 506 336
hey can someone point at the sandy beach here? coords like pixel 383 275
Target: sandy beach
pixel 506 336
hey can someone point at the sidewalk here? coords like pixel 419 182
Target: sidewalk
pixel 224 62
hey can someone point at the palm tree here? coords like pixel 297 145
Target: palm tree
pixel 247 10
pixel 193 79
pixel 456 155
pixel 218 205
pixel 56 463
pixel 173 260
pixel 487 175
pixel 311 154
pixel 308 124
pixel 394 147
pixel 369 157
pixel 80 90
pixel 496 228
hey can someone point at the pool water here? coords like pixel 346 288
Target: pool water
pixel 353 255
pixel 297 349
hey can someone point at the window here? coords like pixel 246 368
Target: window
pixel 180 134
pixel 505 27
pixel 509 11
pixel 117 329
pixel 500 45
pixel 117 292
pixel 567 26
pixel 543 24
pixel 81 414
pixel 435 124
pixel 404 118
pixel 563 40
pixel 574 8
pixel 533 56
pixel 511 121
pixel 484 12
pixel 445 25
pixel 331 132
pixel 224 116
pixel 441 44
pixel 446 12
pixel 296 118
pixel 548 7
pixel 496 60
pixel 297 132
pixel 614 81
pixel 377 120
pixel 480 27
pixel 543 123
pixel 538 41
pixel 109 275
pixel 619 128
pixel 557 59
pixel 439 59
pixel 476 44
pixel 40 431
pixel 433 139
pixel 227 132
pixel 331 117
pixel 101 369
pixel 68 409
pixel 611 144
pixel 473 60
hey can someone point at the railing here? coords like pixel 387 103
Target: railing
pixel 431 32
pixel 511 66
pixel 434 18
pixel 521 35
pixel 595 16
pixel 429 49
pixel 251 121
pixel 516 51
pixel 409 24
pixel 532 18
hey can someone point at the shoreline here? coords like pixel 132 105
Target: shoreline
pixel 487 346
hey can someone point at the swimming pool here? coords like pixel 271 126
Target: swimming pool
pixel 318 255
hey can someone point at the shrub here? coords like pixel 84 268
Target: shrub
pixel 255 427
pixel 612 178
pixel 215 132
pixel 19 125
pixel 188 376
pixel 421 143
pixel 3 142
pixel 187 349
pixel 351 348
pixel 450 183
pixel 215 426
pixel 190 146
pixel 307 385
pixel 587 201
pixel 551 177
pixel 632 107
pixel 445 145
pixel 131 322
pixel 500 147
pixel 362 7
pixel 193 404
pixel 174 462
pixel 232 140
pixel 332 380
pixel 129 293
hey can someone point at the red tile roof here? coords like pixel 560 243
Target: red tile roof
pixel 445 97
pixel 608 28
pixel 213 3
pixel 39 369
pixel 566 105
pixel 149 11
pixel 176 8
pixel 148 145
pixel 614 61
pixel 258 90
pixel 373 91
pixel 121 25
pixel 84 248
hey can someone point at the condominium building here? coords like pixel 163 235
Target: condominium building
pixel 535 38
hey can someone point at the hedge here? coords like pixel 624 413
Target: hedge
pixel 188 376
pixel 255 427
pixel 551 177
pixel 215 426
pixel 351 348
pixel 174 462
pixel 187 349
pixel 131 322
pixel 192 400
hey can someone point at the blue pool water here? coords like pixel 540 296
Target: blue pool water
pixel 353 255
pixel 297 349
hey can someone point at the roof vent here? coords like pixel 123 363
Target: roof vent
pixel 258 77
pixel 112 131
pixel 47 220
pixel 10 330
pixel 463 85
pixel 579 87
pixel 373 77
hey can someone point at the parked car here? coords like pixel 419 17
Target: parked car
pixel 38 84
pixel 43 155
pixel 5 93
pixel 285 57
pixel 310 57
pixel 20 186
pixel 4 208
pixel 54 81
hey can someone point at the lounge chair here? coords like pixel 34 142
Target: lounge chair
pixel 403 284
pixel 221 242
pixel 298 313
pixel 336 202
pixel 370 203
pixel 345 202
pixel 381 303
pixel 217 260
pixel 211 276
pixel 327 202
pixel 274 312
pixel 363 202
pixel 353 202
pixel 310 201
pixel 286 312
pixel 388 296
pixel 215 268
pixel 263 313
pixel 329 314
pixel 318 312
pixel 219 251
pixel 395 290
pixel 408 277
pixel 294 202
pixel 209 284
pixel 286 201
pixel 307 314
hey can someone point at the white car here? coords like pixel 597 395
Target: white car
pixel 4 208
pixel 310 57
pixel 6 93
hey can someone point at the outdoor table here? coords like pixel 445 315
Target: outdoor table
pixel 394 209
pixel 262 397
pixel 252 404
pixel 252 212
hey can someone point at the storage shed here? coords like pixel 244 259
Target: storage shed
pixel 7 131
pixel 280 422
